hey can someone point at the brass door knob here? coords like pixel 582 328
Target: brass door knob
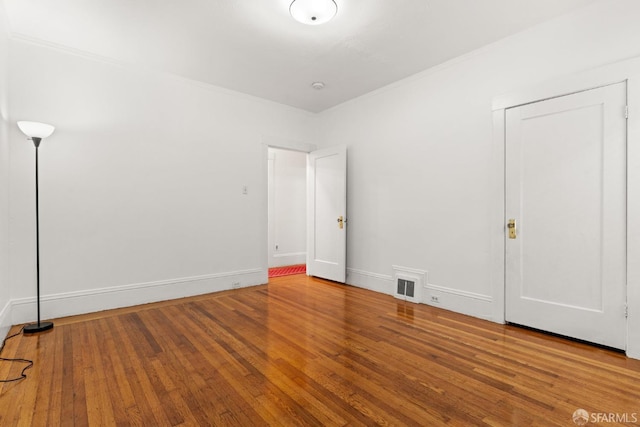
pixel 511 225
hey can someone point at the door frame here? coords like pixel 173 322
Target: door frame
pixel 629 71
pixel 269 141
pixel 591 305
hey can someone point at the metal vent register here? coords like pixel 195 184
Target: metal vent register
pixel 406 288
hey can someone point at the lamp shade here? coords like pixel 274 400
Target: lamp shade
pixel 313 12
pixel 35 129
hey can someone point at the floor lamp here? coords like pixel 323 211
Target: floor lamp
pixel 37 132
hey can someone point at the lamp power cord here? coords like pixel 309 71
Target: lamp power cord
pixel 27 361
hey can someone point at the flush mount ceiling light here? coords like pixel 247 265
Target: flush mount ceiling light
pixel 313 12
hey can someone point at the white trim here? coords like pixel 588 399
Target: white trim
pixel 566 85
pixel 464 302
pixel 142 68
pixel 409 270
pixel 459 301
pixel 499 219
pixel 291 258
pixel 5 320
pixel 460 293
pixel 92 300
pixel 287 144
pixel 376 276
pixel 382 283
pixel 625 70
pixel 290 254
pixel 442 67
pixel 633 217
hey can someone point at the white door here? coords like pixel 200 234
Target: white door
pixel 327 214
pixel 566 191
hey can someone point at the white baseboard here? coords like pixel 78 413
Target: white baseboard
pixel 470 303
pixel 373 281
pixel 24 310
pixel 290 258
pixel 633 353
pixel 5 320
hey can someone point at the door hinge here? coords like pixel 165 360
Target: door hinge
pixel 626 311
pixel 626 111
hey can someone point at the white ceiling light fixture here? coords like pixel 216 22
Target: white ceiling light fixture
pixel 313 12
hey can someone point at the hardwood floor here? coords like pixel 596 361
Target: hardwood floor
pixel 302 351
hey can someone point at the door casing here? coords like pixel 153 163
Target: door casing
pixel 274 142
pixel 629 71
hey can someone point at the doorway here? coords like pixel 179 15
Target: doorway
pixel 287 196
pixel 323 236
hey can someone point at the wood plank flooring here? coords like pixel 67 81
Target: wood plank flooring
pixel 305 352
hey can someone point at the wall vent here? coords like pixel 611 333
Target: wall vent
pixel 406 288
pixel 409 283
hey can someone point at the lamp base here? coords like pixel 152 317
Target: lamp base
pixel 37 327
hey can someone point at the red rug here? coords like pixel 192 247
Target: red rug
pixel 287 271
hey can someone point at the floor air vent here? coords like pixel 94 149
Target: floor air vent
pixel 406 288
pixel 409 283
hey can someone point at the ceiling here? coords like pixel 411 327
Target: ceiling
pixel 255 47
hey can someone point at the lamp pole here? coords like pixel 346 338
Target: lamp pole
pixel 40 326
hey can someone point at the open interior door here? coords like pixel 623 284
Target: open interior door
pixel 327 214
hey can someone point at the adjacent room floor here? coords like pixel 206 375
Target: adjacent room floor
pixel 288 270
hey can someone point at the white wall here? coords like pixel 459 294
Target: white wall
pixel 140 185
pixel 136 152
pixel 5 318
pixel 424 174
pixel 287 207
